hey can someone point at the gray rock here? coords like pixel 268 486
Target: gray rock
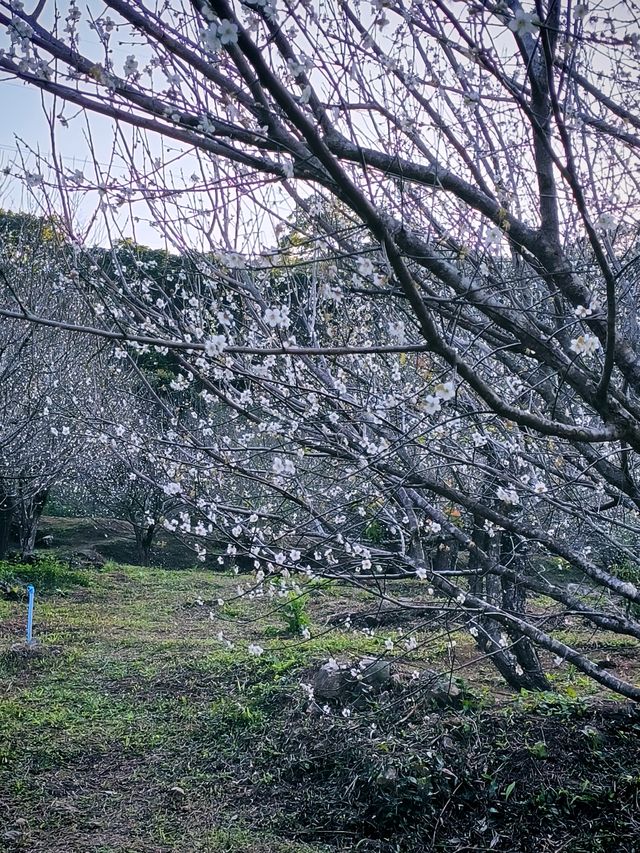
pixel 343 681
pixel 439 690
pixel 330 681
pixel 86 558
pixel 375 672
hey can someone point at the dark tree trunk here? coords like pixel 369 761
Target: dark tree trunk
pixel 444 557
pixel 144 540
pixel 516 660
pixel 31 510
pixel 7 509
pixel 513 601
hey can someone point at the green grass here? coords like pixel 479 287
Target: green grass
pixel 45 573
pixel 133 729
pixel 132 679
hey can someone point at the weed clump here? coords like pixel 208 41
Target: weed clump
pixel 295 614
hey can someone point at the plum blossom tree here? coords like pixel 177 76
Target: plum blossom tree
pixel 411 293
pixel 120 472
pixel 46 380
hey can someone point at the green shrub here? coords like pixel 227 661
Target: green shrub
pixel 295 613
pixel 376 532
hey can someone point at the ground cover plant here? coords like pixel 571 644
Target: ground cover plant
pixel 136 728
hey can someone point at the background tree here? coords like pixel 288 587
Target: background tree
pixel 47 379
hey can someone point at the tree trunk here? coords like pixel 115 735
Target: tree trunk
pixel 144 539
pixel 7 509
pixel 31 510
pixel 514 601
pixel 513 654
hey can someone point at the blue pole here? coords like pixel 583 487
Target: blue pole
pixel 31 591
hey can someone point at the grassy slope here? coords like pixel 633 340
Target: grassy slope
pixel 137 732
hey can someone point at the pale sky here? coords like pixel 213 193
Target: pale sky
pixel 25 127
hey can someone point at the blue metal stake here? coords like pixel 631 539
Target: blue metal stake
pixel 32 593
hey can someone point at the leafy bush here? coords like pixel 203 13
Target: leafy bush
pixel 295 613
pixel 376 532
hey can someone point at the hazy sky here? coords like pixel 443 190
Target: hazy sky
pixel 25 130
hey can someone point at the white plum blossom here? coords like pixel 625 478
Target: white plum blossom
pixel 172 489
pixel 215 345
pixel 491 528
pixel 445 391
pixel 210 39
pixel 397 331
pixel 300 66
pixel 277 317
pixel 478 439
pixel 180 383
pixel 524 23
pixel 421 573
pixel 287 168
pixel 233 260
pixel 585 344
pixel 583 311
pixel 227 32
pixel 493 238
pixel 130 66
pixel 508 496
pixel 255 650
pixel 432 404
pixel 33 179
pixel 283 466
pixel 307 689
pixel 365 266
